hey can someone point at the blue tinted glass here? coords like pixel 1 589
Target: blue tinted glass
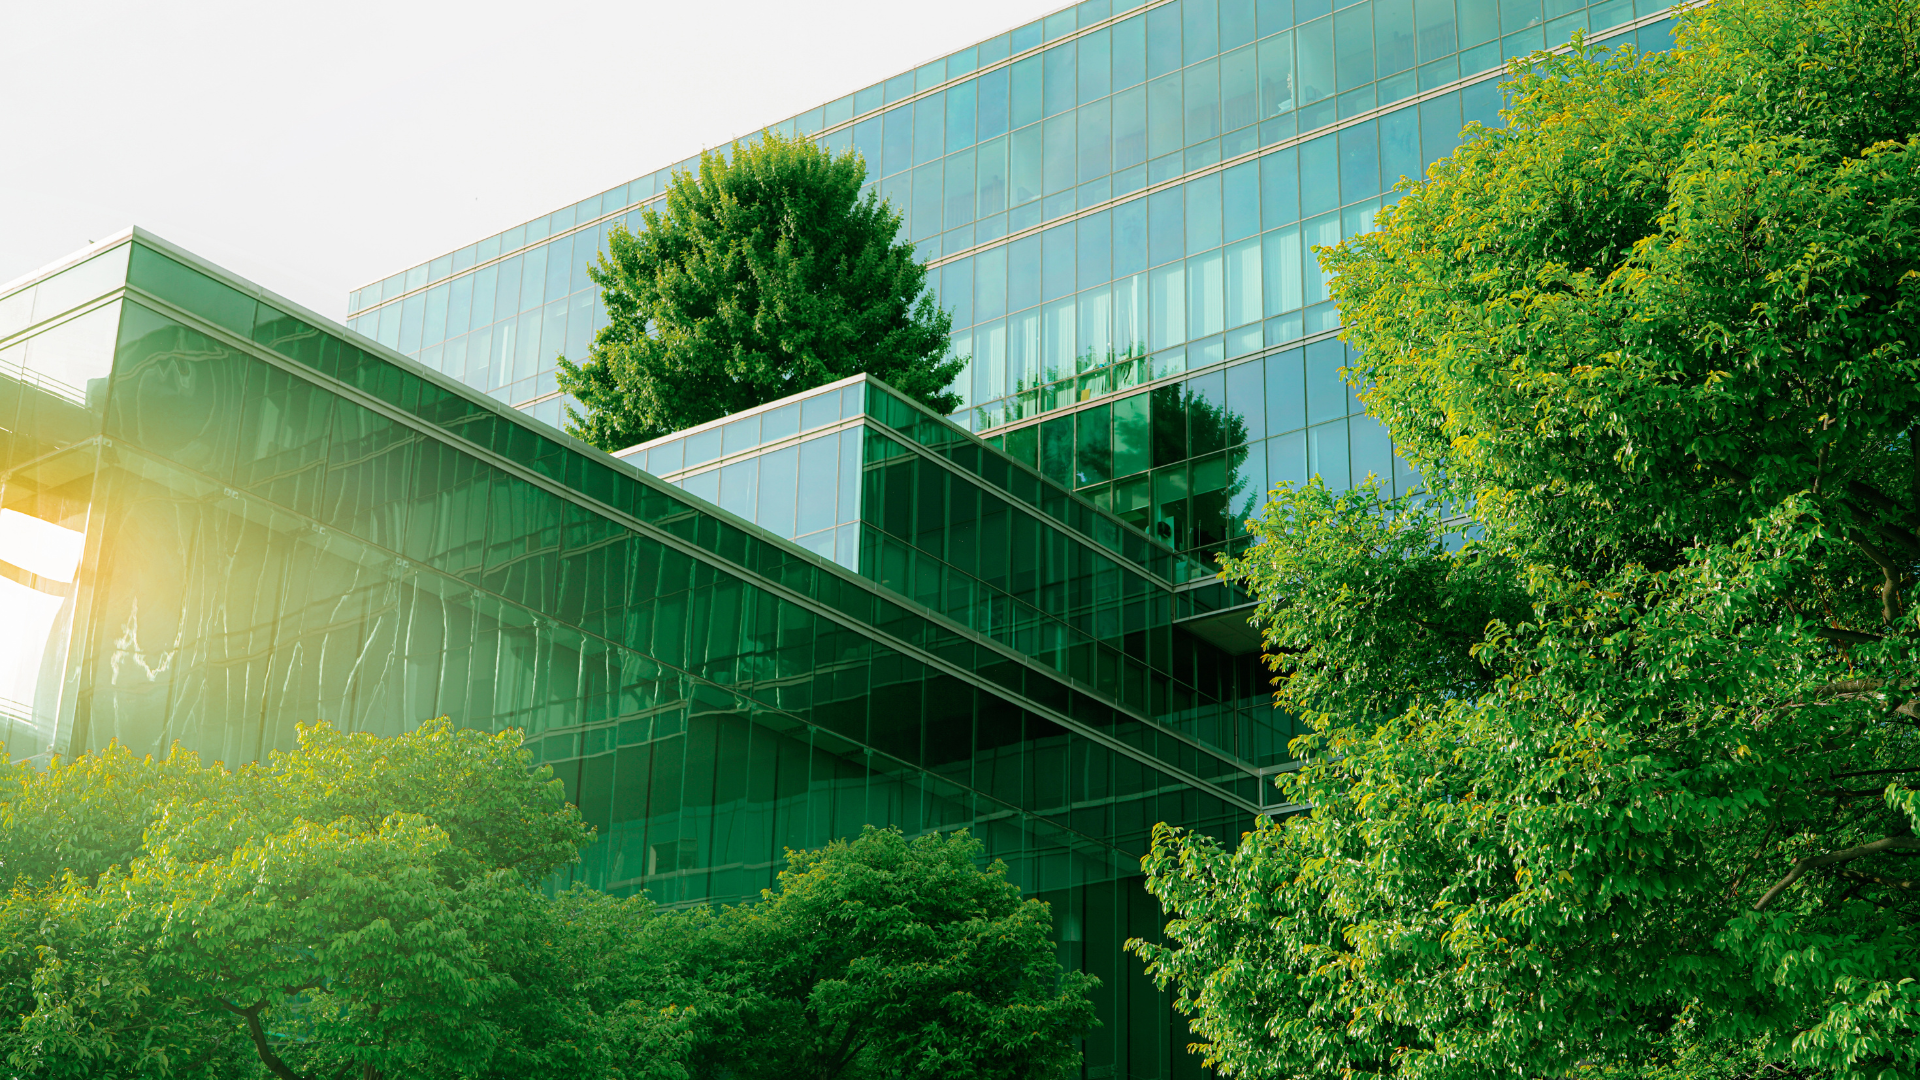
pixel 1059 136
pixel 460 305
pixel 668 457
pixel 930 75
pixel 960 63
pixel 899 86
pixel 1286 391
pixel 990 284
pixel 1202 101
pixel 956 290
pixel 1023 165
pixel 897 151
pixel 1353 45
pixel 1287 459
pixel 1167 235
pixel 1393 35
pixel 1057 250
pixel 1163 40
pixel 838 112
pixel 1482 102
pixel 1327 393
pixel 1130 52
pixel 1319 176
pixel 1058 81
pixel 1095 249
pixel 1518 14
pixel 780 423
pixel 702 447
pixel 1130 127
pixel 1025 97
pixel 1059 24
pixel 1200 29
pixel 1314 51
pixel 961 102
pixel 1245 395
pixel 778 482
pixel 1094 65
pixel 737 484
pixel 1164 125
pixel 960 189
pixel 1203 213
pixel 867 143
pixel 1096 140
pixel 1130 238
pixel 865 101
pixel 559 267
pixel 818 410
pixel 1274 16
pixel 1400 147
pixel 1439 126
pixel 993 104
pixel 1026 37
pixel 992 180
pixel 994 50
pixel 1023 273
pixel 1240 199
pixel 1359 162
pixel 929 128
pixel 1479 21
pixel 927 200
pixel 743 434
pixel 819 461
pixel 1236 23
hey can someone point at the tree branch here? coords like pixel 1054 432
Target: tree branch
pixel 1800 867
pixel 251 1014
pixel 1845 637
pixel 1898 883
pixel 1890 575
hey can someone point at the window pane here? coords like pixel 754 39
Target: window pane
pixel 1206 292
pixel 1281 270
pixel 1168 298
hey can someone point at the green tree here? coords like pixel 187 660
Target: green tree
pixel 1627 782
pixel 360 907
pixel 767 274
pixel 883 957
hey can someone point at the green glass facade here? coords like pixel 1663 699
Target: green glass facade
pixel 1119 195
pixel 221 516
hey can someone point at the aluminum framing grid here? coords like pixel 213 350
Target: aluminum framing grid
pixel 1284 144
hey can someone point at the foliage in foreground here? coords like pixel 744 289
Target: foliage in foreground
pixel 366 908
pixel 1628 783
pixel 767 274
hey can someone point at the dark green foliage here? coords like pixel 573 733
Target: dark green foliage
pixel 883 957
pixel 768 274
pixel 1628 784
pixel 365 908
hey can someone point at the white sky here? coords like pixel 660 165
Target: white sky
pixel 314 148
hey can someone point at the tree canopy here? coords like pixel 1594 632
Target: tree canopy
pixel 359 907
pixel 1617 773
pixel 767 274
pixel 883 957
pixel 368 908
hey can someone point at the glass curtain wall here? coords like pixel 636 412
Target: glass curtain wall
pixel 1125 191
pixel 265 523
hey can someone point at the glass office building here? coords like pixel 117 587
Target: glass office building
pixel 222 515
pixel 1120 195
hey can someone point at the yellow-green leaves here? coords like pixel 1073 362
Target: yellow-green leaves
pixel 1658 340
